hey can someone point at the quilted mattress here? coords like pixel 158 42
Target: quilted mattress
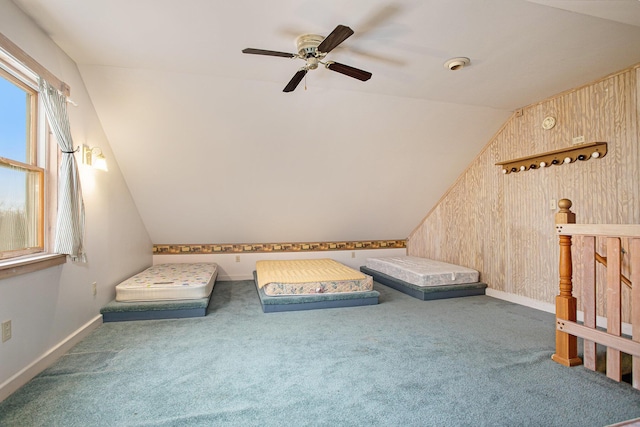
pixel 165 282
pixel 308 277
pixel 422 271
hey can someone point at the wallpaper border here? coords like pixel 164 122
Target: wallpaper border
pixel 235 248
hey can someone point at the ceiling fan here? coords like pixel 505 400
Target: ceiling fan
pixel 312 49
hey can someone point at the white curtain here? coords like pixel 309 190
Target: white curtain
pixel 70 218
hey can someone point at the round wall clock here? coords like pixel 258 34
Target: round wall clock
pixel 548 123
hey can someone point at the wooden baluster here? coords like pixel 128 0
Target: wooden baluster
pixel 589 298
pixel 614 309
pixel 566 305
pixel 634 251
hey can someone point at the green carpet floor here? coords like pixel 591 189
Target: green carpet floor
pixel 474 361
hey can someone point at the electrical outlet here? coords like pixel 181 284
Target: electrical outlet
pixel 94 288
pixel 6 330
pixel 553 205
pixel 353 254
pixel 578 139
pixel 237 258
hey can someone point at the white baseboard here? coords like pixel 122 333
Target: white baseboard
pixel 550 308
pixel 43 362
pixel 517 299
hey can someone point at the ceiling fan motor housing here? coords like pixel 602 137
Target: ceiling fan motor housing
pixel 307 45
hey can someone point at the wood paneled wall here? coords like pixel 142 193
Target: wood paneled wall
pixel 502 225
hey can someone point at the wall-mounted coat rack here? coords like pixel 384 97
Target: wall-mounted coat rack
pixel 592 150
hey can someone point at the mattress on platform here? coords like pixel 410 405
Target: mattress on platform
pixel 309 277
pixel 278 303
pixel 422 272
pixel 169 282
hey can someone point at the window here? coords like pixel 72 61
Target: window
pixel 22 166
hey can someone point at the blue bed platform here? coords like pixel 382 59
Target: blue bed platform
pixel 148 310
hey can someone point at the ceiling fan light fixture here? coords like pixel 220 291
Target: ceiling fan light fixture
pixel 312 62
pixel 455 64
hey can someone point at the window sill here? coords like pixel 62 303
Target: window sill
pixel 30 264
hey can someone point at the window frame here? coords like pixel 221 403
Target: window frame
pixel 20 69
pixel 35 158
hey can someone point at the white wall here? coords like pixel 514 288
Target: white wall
pixel 251 164
pixel 49 307
pixel 241 266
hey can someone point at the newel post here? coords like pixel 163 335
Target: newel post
pixel 566 305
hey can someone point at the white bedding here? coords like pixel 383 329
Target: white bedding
pixel 422 271
pixel 164 282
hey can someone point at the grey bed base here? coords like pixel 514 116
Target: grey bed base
pixel 426 293
pixel 149 310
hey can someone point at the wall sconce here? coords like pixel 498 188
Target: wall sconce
pixel 581 152
pixel 91 158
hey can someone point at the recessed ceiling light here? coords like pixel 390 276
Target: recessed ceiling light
pixel 457 63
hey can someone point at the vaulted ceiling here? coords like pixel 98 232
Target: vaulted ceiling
pixel 214 152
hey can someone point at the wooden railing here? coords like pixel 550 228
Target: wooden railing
pixel 567 328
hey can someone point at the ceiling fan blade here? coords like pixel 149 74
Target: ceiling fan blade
pixel 337 36
pixel 349 71
pixel 295 81
pixel 268 52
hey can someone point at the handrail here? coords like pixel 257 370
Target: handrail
pixel 597 230
pixel 603 260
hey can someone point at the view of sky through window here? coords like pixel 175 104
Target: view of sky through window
pixel 13 143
